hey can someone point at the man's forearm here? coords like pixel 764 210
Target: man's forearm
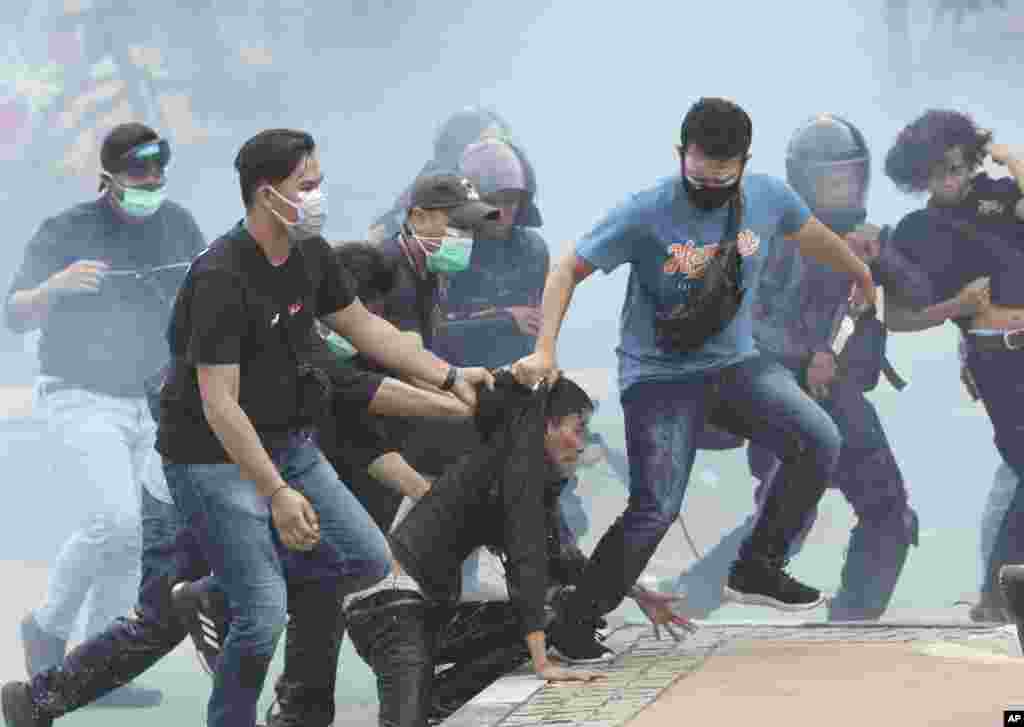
pixel 396 398
pixel 905 320
pixel 536 643
pixel 392 471
pixel 385 344
pixel 240 440
pixel 820 243
pixel 558 292
pixel 1016 169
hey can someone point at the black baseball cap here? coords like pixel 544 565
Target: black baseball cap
pixel 455 193
pixel 134 148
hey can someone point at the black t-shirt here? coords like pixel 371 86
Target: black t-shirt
pixel 110 341
pixel 235 307
pixel 981 236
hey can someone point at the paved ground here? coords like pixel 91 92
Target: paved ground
pixel 791 674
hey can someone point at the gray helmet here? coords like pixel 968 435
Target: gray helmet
pixel 826 145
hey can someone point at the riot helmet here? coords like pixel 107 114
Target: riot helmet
pixel 828 164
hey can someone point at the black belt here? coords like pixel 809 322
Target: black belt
pixel 1008 341
pixel 387 598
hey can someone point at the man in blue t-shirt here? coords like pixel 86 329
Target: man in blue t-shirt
pixel 676 369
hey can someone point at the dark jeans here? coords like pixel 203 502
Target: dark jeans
pixel 233 526
pixel 871 481
pixel 404 644
pixel 132 644
pixel 756 399
pixel 999 376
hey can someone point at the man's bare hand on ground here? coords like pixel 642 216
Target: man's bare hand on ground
pixel 555 673
pixel 662 610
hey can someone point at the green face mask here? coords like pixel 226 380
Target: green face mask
pixel 137 202
pixel 452 256
pixel 142 202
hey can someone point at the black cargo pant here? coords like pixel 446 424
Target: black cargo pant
pixel 132 644
pixel 406 640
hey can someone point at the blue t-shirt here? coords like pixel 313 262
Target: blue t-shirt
pixel 660 234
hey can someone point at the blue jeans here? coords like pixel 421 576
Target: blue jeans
pixel 756 399
pixel 232 523
pixel 871 481
pixel 133 643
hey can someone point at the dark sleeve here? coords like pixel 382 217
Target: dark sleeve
pixel 337 288
pixel 902 280
pixel 354 388
pixel 218 320
pixel 906 238
pixel 823 296
pixel 526 518
pixel 355 439
pixel 43 258
pixel 540 263
pixel 1005 189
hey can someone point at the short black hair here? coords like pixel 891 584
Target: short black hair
pixel 373 271
pixel 566 398
pixel 122 139
pixel 923 143
pixel 270 157
pixel 719 127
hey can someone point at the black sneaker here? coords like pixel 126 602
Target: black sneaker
pixel 1011 583
pixel 42 650
pixel 18 708
pixel 762 582
pixel 130 696
pixel 204 614
pixel 578 642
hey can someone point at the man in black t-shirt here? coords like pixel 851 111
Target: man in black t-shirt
pixel 98 281
pixel 970 241
pixel 167 604
pixel 238 406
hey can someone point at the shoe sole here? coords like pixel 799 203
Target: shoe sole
pixel 603 659
pixel 114 700
pixel 759 599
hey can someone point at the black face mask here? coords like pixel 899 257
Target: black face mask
pixel 710 198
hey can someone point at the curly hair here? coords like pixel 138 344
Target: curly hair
pixel 924 143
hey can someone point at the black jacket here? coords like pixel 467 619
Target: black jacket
pixel 495 496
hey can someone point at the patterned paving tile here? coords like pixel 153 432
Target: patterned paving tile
pixel 645 667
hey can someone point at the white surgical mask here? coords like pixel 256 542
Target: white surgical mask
pixel 311 214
